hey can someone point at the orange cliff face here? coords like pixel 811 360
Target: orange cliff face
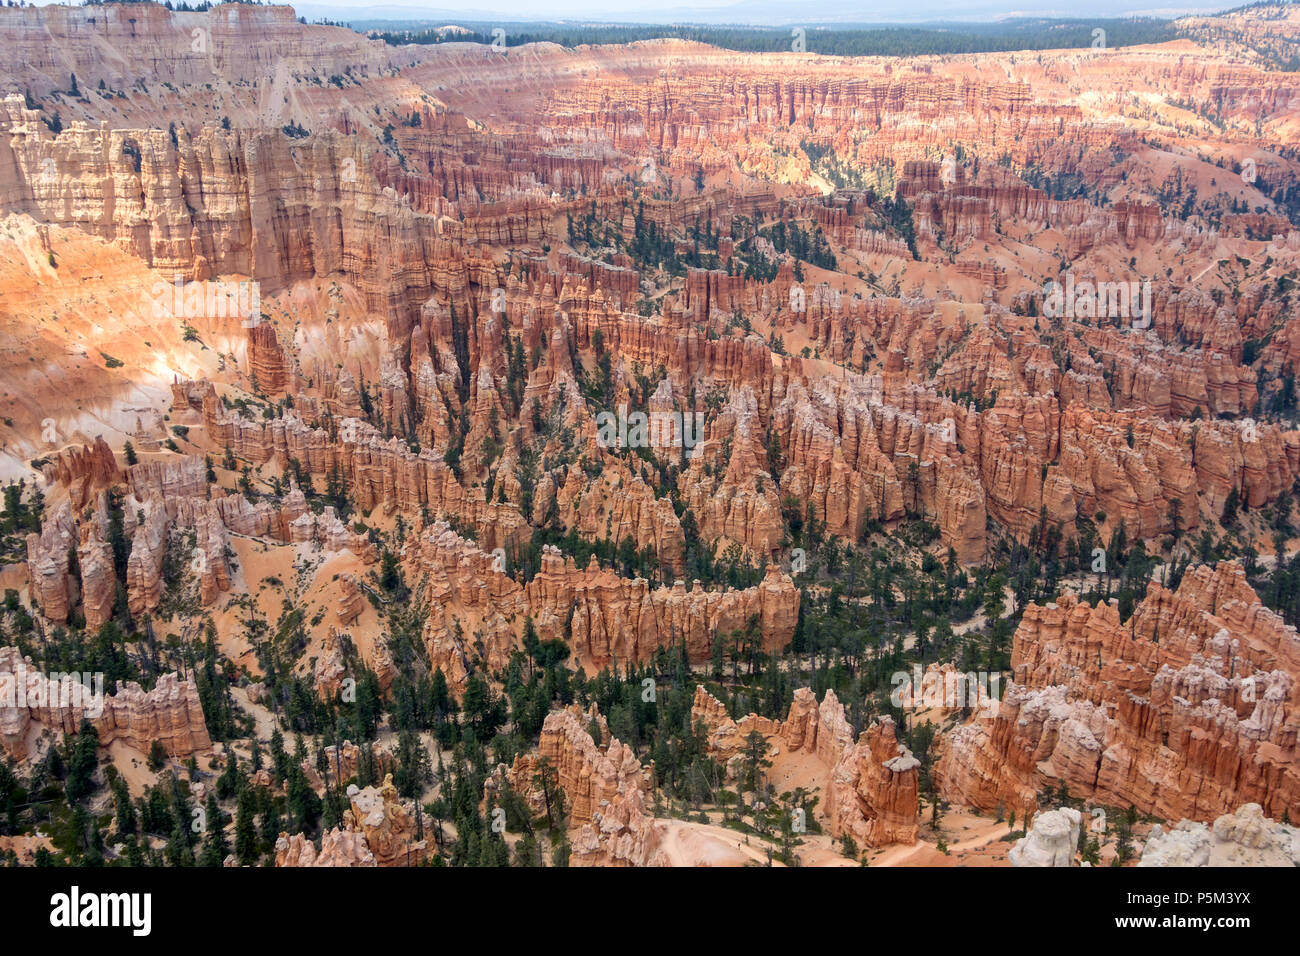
pixel 870 785
pixel 1186 710
pixel 457 320
pixel 251 201
pixel 169 714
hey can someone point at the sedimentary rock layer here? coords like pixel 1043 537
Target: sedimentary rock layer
pixel 1186 710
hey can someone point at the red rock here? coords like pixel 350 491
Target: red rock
pixel 590 776
pixel 51 587
pixel 339 847
pixel 872 795
pixel 387 827
pixel 170 713
pixel 84 471
pixel 1198 686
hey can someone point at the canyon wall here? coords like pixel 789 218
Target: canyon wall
pixel 170 713
pixel 1186 710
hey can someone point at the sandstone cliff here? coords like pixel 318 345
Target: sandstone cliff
pixel 170 713
pixel 1053 840
pixel 1244 838
pixel 1185 711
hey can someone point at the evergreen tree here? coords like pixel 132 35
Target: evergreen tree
pixel 245 832
pixel 214 840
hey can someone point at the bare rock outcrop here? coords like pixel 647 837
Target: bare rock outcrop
pixel 604 789
pixel 85 471
pixel 98 578
pixel 144 584
pixel 170 713
pixel 800 727
pixel 620 834
pixel 726 737
pixel 590 775
pixel 1244 838
pixel 387 826
pixel 872 795
pixel 1187 710
pixel 871 782
pixel 1052 840
pixel 330 670
pixel 339 847
pixel 51 585
pixel 625 619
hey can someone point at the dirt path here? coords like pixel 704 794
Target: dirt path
pixel 900 855
pixel 699 844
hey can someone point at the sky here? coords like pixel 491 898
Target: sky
pixel 754 12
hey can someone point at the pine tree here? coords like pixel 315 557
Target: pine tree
pixel 178 852
pixel 126 822
pixel 157 756
pixel 82 761
pixel 134 855
pixel 214 841
pixel 271 824
pixel 228 784
pixel 245 833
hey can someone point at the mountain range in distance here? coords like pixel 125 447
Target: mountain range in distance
pixel 840 13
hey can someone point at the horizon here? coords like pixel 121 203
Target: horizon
pixel 732 436
pixel 838 14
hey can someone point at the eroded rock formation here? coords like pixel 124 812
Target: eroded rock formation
pixel 726 737
pixel 339 847
pixel 1244 838
pixel 1186 710
pixel 871 784
pixel 1052 840
pixel 873 789
pixel 590 775
pixel 170 713
pixel 387 828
